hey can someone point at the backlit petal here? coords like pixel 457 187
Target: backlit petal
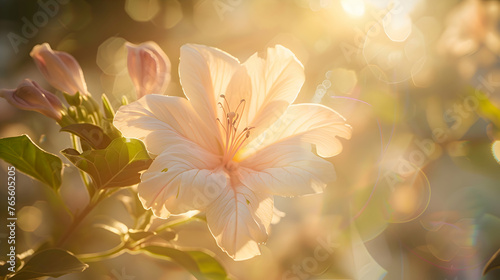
pixel 161 121
pixel 60 69
pixel 276 81
pixel 239 220
pixel 305 123
pixel 182 178
pixel 149 68
pixel 204 74
pixel 286 170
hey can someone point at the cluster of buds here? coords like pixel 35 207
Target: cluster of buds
pixel 148 67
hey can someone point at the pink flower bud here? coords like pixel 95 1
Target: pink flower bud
pixel 60 69
pixel 30 96
pixel 149 68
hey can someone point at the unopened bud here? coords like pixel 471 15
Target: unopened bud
pixel 149 68
pixel 30 96
pixel 60 69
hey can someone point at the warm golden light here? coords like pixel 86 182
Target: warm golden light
pixel 29 218
pixel 354 8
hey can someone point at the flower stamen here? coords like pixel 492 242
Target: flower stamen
pixel 234 140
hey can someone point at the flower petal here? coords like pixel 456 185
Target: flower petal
pixel 204 74
pixel 239 220
pixel 286 170
pixel 305 123
pixel 183 178
pixel 60 69
pixel 149 68
pixel 30 96
pixel 276 81
pixel 161 121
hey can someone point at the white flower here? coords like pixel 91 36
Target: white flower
pixel 233 143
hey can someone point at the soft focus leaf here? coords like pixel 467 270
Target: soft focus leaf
pixel 208 265
pixel 93 134
pixel 132 203
pixel 475 156
pixel 52 262
pixel 365 266
pixel 118 165
pixel 493 263
pixel 109 112
pixel 27 157
pixel 199 264
pixel 489 111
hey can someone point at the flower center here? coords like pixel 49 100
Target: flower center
pixel 234 137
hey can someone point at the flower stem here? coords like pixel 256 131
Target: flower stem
pixel 85 178
pixel 175 223
pixel 108 254
pixel 81 216
pixel 60 199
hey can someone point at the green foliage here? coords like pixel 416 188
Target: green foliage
pixel 109 112
pixel 476 156
pixel 51 262
pixel 92 134
pixel 74 100
pixel 118 165
pixel 199 264
pixel 489 111
pixel 28 158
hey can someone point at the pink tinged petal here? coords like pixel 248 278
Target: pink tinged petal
pixel 275 81
pixel 205 73
pixel 60 69
pixel 306 123
pixel 182 178
pixel 286 170
pixel 239 220
pixel 30 96
pixel 161 121
pixel 149 68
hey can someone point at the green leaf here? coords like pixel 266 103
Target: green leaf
pixel 93 134
pixel 27 157
pixel 109 112
pixel 51 262
pixel 201 265
pixel 73 99
pixel 489 111
pixel 209 266
pixel 119 165
pixel 493 263
pixel 476 155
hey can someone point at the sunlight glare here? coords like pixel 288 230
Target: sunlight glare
pixel 354 8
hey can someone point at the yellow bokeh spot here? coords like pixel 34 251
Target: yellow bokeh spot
pixel 397 27
pixel 142 10
pixel 29 218
pixel 404 200
pixel 112 56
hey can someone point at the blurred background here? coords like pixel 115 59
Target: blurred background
pixel 418 190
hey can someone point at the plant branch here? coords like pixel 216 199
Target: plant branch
pixel 108 254
pixel 85 178
pixel 101 194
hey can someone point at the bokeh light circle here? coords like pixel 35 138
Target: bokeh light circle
pixel 397 56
